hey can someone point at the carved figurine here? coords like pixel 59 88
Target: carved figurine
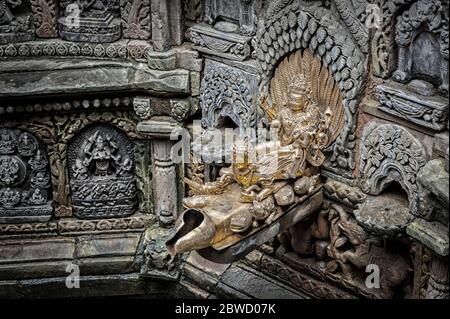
pixel 364 250
pixel 285 171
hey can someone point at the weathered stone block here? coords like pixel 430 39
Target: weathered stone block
pixel 107 245
pixel 434 235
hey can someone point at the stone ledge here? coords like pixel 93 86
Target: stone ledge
pixel 434 235
pixel 76 75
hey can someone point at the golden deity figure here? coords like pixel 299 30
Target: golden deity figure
pixel 306 110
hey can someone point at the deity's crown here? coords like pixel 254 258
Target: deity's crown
pixel 299 84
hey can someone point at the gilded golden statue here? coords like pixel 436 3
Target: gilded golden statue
pixel 306 109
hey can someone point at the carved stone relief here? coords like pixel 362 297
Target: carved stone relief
pixel 192 10
pixel 421 34
pixel 45 14
pixel 383 42
pixel 14 26
pixel 414 104
pixel 390 153
pixel 223 44
pixel 136 19
pixel 25 181
pixel 90 21
pixel 101 169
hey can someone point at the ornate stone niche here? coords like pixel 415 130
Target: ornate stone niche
pixel 25 181
pixel 15 21
pixel 231 15
pixel 90 21
pixel 228 29
pixel 389 153
pixel 421 33
pixel 101 172
pixel 421 36
pixel 227 92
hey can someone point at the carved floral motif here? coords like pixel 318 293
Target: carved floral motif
pixel 136 19
pixel 390 153
pixel 44 16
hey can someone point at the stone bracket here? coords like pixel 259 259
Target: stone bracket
pixel 427 111
pixel 227 45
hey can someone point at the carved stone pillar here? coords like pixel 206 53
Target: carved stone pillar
pixel 160 25
pixel 158 263
pixel 165 189
pixel 438 282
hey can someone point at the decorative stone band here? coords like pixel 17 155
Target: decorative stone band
pixel 72 226
pixel 427 111
pixel 214 42
pixel 69 105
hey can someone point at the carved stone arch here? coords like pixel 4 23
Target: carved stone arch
pixel 101 167
pixel 390 153
pixel 226 93
pixel 313 27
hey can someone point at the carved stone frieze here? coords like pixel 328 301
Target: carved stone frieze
pixel 428 111
pixel 223 44
pixel 24 229
pixel 136 19
pixel 90 21
pixel 300 280
pixel 101 168
pixel 14 27
pixel 77 227
pixel 390 153
pixel 45 14
pixel 68 105
pixel 64 49
pixel 25 180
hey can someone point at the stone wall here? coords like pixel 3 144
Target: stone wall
pixel 90 94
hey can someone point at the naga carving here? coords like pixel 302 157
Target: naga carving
pixel 257 190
